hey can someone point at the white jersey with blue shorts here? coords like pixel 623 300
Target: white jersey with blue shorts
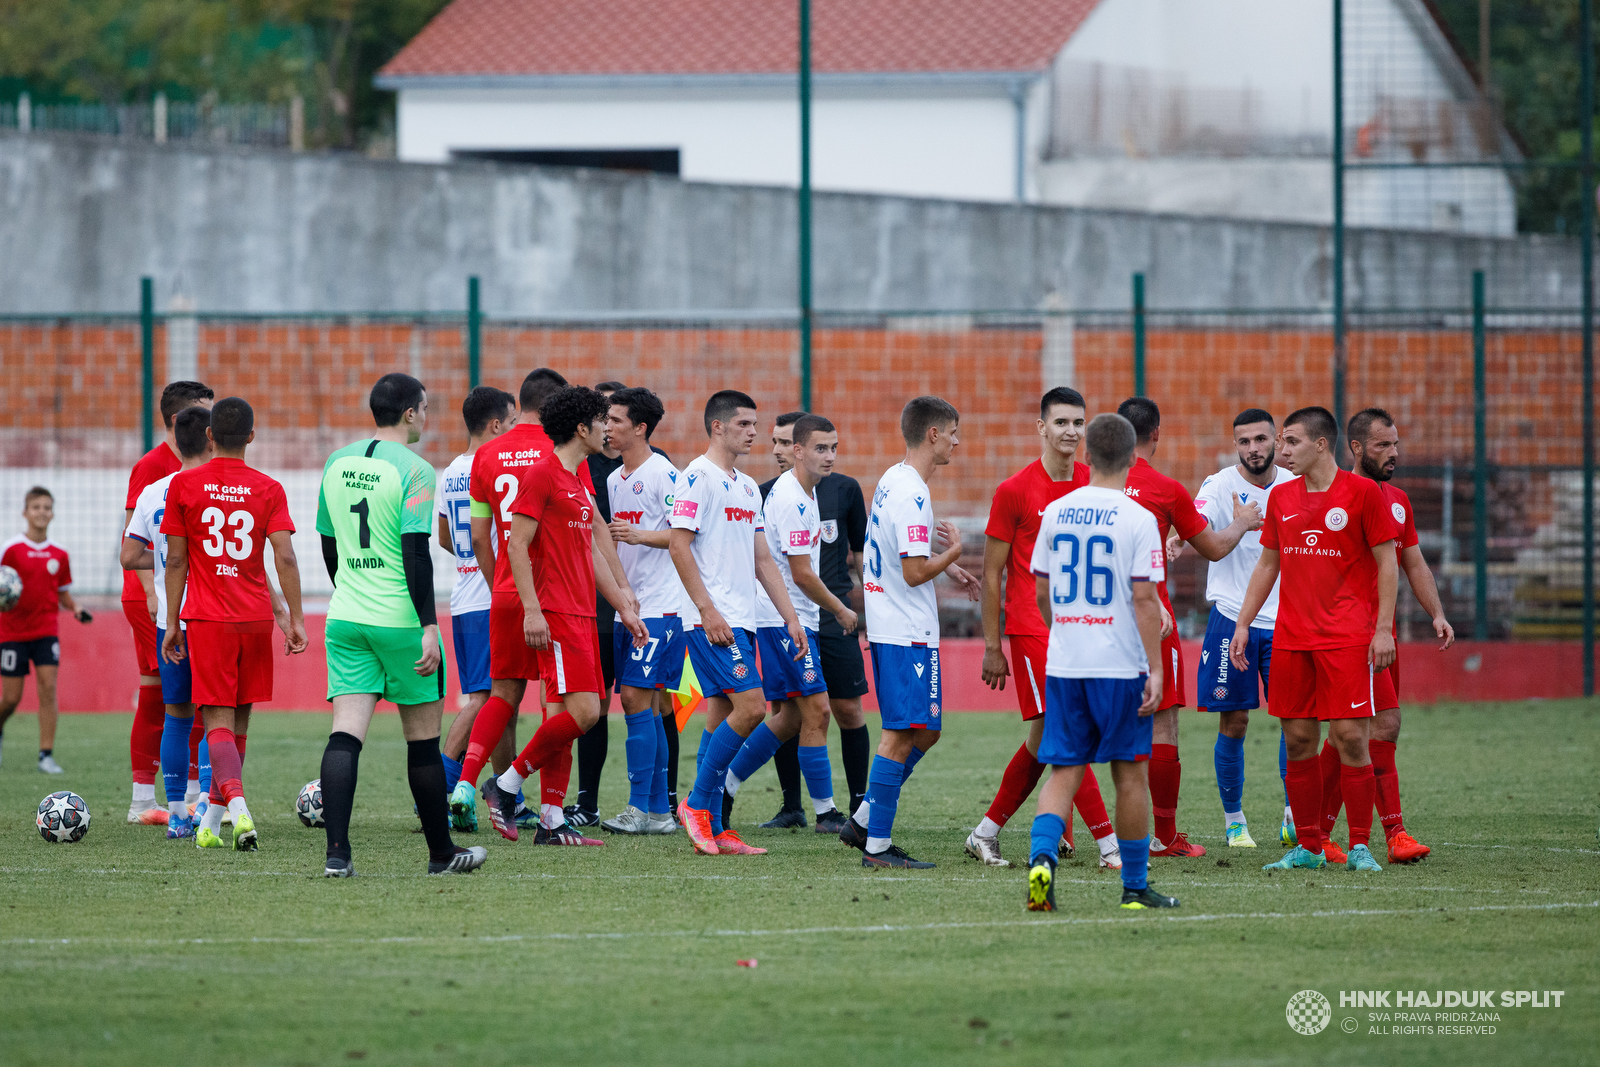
pixel 645 498
pixel 793 527
pixel 723 509
pixel 1093 545
pixel 902 622
pixel 469 596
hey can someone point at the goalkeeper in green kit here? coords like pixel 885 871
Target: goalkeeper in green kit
pixel 375 515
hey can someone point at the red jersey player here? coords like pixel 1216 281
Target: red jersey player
pixel 218 519
pixel 1174 509
pixel 28 633
pixel 1375 447
pixel 1014 518
pixel 139 608
pixel 556 566
pixel 1329 541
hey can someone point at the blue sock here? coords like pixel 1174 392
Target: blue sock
pixel 659 805
pixel 818 771
pixel 721 748
pixel 912 761
pixel 175 755
pixel 1047 831
pixel 641 750
pixel 520 802
pixel 204 758
pixel 452 773
pixel 883 793
pixel 1228 755
pixel 705 743
pixel 1135 863
pixel 1283 765
pixel 757 749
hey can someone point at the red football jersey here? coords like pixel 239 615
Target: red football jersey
pixel 45 570
pixel 497 470
pixel 1400 507
pixel 227 510
pixel 154 465
pixel 1168 501
pixel 1014 517
pixel 563 564
pixel 1328 578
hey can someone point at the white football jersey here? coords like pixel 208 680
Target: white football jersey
pixel 900 525
pixel 1229 577
pixel 145 524
pixel 724 510
pixel 470 592
pixel 645 498
pixel 793 528
pixel 1093 545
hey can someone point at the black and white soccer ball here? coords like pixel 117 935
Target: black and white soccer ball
pixel 63 818
pixel 10 588
pixel 308 805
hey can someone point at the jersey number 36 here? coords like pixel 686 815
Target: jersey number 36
pixel 1097 579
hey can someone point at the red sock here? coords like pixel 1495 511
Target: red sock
pixel 547 744
pixel 487 729
pixel 1388 786
pixel 1091 807
pixel 1360 791
pixel 1165 774
pixel 1332 794
pixel 238 742
pixel 227 772
pixel 144 741
pixel 1021 775
pixel 197 734
pixel 553 780
pixel 1304 786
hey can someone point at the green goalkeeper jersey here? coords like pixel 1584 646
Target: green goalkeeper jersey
pixel 372 493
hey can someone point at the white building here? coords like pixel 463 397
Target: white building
pixel 1222 107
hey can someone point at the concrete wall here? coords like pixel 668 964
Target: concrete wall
pixel 233 230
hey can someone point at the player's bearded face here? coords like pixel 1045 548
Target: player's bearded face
pixel 1380 453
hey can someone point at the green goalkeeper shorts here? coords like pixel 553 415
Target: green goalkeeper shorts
pixel 381 660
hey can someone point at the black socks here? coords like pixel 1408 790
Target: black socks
pixel 855 751
pixel 787 762
pixel 425 771
pixel 591 760
pixel 339 763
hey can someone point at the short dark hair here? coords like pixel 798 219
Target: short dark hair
pixel 922 412
pixel 540 385
pixel 567 409
pixel 392 396
pixel 1250 415
pixel 179 395
pixel 789 418
pixel 1318 422
pixel 232 420
pixel 35 493
pixel 1142 412
pixel 725 402
pixel 1111 439
pixel 1360 425
pixel 1061 394
pixel 808 424
pixel 483 405
pixel 189 427
pixel 610 387
pixel 643 406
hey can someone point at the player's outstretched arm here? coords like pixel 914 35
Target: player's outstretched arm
pixel 1215 544
pixel 626 533
pixel 136 555
pixel 995 668
pixel 534 628
pixel 716 628
pixel 1382 651
pixel 918 570
pixel 771 580
pixel 1420 575
pixel 621 597
pixel 1147 612
pixel 288 567
pixel 811 585
pixel 1262 579
pixel 172 649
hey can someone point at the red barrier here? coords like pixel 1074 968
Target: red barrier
pixel 98 672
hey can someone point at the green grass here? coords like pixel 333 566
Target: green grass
pixel 129 949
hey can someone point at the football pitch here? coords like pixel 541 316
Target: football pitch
pixel 130 949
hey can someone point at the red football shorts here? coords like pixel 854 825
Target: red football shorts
pixel 231 662
pixel 144 636
pixel 1328 683
pixel 509 654
pixel 1173 693
pixel 570 663
pixel 1386 686
pixel 1028 654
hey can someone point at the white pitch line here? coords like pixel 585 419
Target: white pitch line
pixel 1521 848
pixel 806 931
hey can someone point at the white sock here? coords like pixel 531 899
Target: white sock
pixel 1231 817
pixel 877 844
pixel 511 781
pixel 1108 844
pixel 551 816
pixel 177 809
pixel 863 813
pixel 1288 815
pixel 213 819
pixel 192 793
pixel 237 809
pixel 824 805
pixel 144 793
pixel 732 784
pixel 987 828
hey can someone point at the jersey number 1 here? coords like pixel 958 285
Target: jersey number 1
pixel 360 511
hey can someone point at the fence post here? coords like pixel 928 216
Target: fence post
pixel 1340 343
pixel 1586 134
pixel 147 361
pixel 474 335
pixel 1138 334
pixel 805 205
pixel 1480 471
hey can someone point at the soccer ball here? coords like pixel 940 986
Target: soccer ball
pixel 63 818
pixel 10 588
pixel 308 805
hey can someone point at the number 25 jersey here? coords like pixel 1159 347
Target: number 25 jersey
pixel 226 510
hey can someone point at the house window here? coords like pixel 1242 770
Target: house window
pixel 639 160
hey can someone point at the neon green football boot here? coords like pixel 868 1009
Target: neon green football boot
pixel 464 807
pixel 1239 836
pixel 244 834
pixel 204 838
pixel 1298 857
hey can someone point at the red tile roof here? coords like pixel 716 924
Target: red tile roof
pixel 552 37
